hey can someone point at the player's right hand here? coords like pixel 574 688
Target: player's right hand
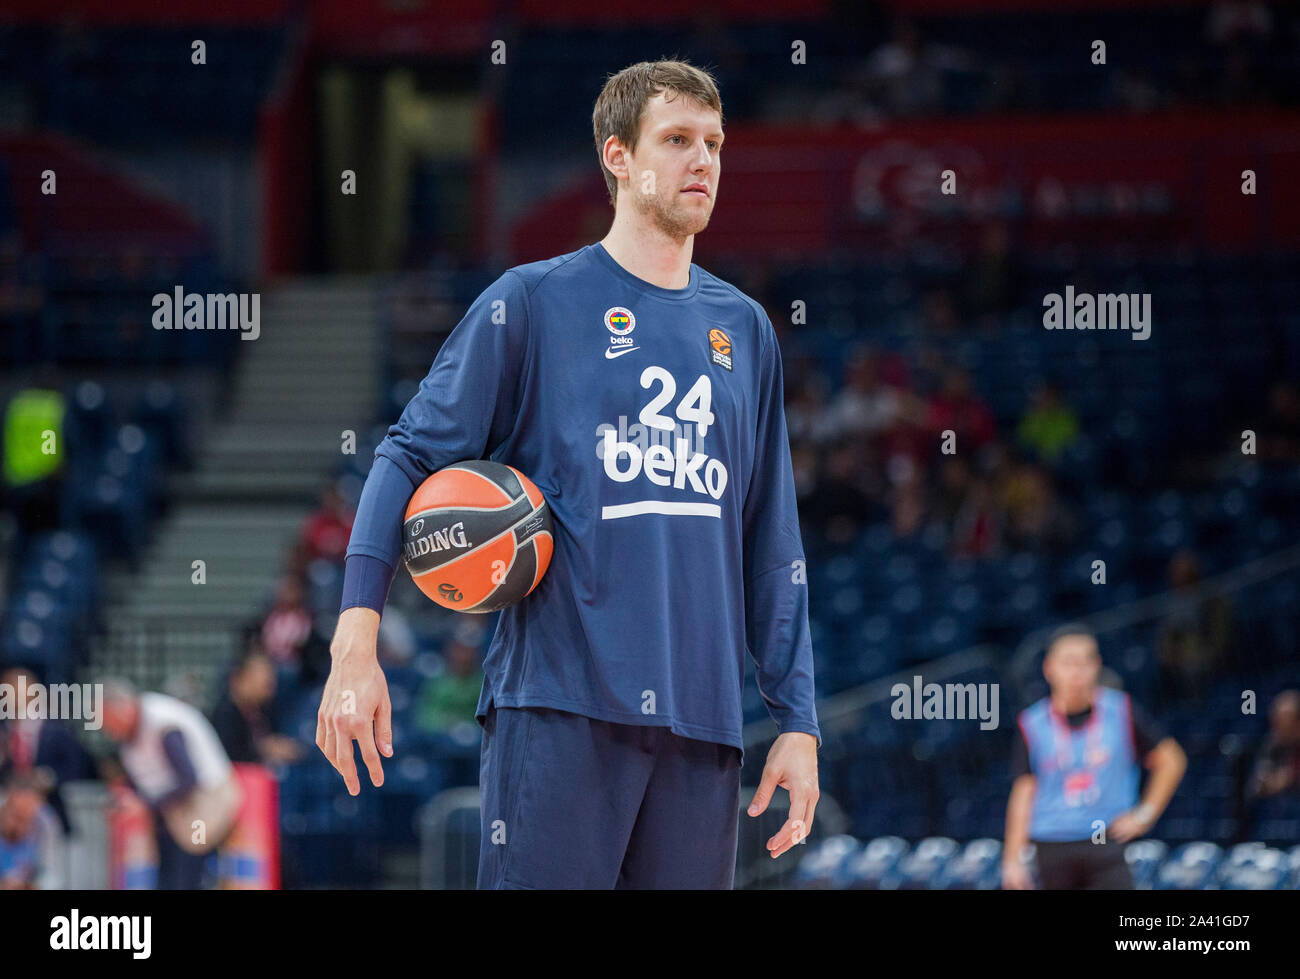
pixel 1015 876
pixel 355 705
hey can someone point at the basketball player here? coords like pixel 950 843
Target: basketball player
pixel 611 704
pixel 1076 775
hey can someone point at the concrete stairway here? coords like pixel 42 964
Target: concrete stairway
pixel 310 376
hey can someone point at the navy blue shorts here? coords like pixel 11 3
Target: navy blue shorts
pixel 573 802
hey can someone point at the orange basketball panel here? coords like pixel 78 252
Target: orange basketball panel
pixel 467 581
pixel 543 544
pixel 456 488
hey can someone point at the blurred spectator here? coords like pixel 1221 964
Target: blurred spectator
pixel 313 666
pixel 837 506
pixel 1049 426
pixel 908 71
pixel 939 313
pixel 957 408
pixel 1244 80
pixel 288 625
pixel 450 699
pixel 31 843
pixel 1135 91
pixel 1279 435
pixel 244 715
pixel 712 39
pixel 977 527
pixel 48 745
pixel 990 283
pixel 953 490
pixel 1035 518
pixel 864 405
pixel 33 459
pixel 396 644
pixel 176 765
pixel 808 415
pixel 1243 29
pixel 851 99
pixel 1231 21
pixel 1277 765
pixel 327 531
pixel 909 444
pixel 908 508
pixel 803 460
pixel 1194 637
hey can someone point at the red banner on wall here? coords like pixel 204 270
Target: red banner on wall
pixel 1147 181
pixel 249 859
pixel 148 12
pixel 132 849
pixel 920 7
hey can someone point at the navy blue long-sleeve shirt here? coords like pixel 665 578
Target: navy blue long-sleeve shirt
pixel 652 421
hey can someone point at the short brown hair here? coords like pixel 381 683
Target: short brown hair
pixel 622 102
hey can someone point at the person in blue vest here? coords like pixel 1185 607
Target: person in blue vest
pixel 1076 770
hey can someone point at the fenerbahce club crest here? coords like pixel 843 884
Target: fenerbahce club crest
pixel 720 348
pixel 620 322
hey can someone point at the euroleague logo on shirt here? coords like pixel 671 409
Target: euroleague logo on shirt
pixel 620 322
pixel 721 348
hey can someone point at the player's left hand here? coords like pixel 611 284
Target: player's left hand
pixel 792 765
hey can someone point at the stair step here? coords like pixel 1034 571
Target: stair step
pixel 246 485
pixel 309 376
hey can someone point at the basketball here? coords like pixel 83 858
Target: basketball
pixel 477 536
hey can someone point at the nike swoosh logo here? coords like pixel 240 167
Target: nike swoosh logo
pixel 611 352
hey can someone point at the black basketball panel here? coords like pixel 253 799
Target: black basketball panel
pixel 501 475
pixel 515 585
pixel 432 539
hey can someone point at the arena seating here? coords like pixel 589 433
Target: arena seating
pixel 941 863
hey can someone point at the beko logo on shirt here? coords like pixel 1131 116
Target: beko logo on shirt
pixel 680 466
pixel 620 322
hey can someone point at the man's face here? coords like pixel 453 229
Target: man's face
pixel 119 719
pixel 12 678
pixel 256 681
pixel 679 151
pixel 1072 666
pixel 18 813
pixel 1286 721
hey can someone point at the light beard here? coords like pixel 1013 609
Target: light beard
pixel 672 220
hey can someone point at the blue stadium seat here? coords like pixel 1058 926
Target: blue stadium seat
pixel 865 869
pixel 822 867
pixel 918 869
pixel 977 866
pixel 1144 858
pixel 1191 867
pixel 1258 869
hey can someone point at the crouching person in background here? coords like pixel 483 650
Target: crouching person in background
pixel 31 841
pixel 177 766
